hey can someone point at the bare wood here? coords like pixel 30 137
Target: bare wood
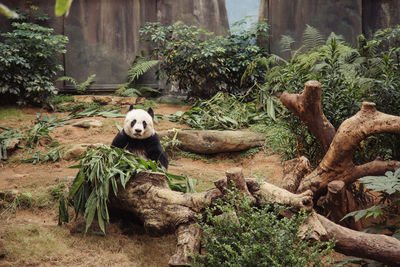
pixel 162 210
pixel 381 248
pixel 307 106
pixel 235 178
pixel 273 193
pixel 188 242
pixel 339 202
pixel 293 172
pixel 211 141
pixel 337 163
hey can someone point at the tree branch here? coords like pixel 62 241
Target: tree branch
pixel 307 106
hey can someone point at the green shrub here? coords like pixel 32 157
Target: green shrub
pixel 203 67
pixel 139 67
pixel 221 112
pixel 29 62
pixel 386 211
pixel 348 76
pixel 249 236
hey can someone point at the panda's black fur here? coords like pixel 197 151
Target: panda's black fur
pixel 141 145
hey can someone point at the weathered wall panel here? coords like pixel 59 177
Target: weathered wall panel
pixel 379 15
pixel 288 17
pixel 104 38
pixel 209 14
pixel 104 34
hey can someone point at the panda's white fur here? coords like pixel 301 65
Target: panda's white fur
pixel 138 124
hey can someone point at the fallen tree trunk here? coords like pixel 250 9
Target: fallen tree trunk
pixel 162 210
pixel 212 141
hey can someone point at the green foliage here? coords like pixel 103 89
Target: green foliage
pixel 7 12
pixel 139 66
pixel 348 76
pixel 220 112
pixel 203 64
pixel 29 62
pixel 62 7
pixel 250 236
pixel 51 156
pixel 6 138
pixel 100 172
pixel 41 129
pixel 388 187
pixel 79 87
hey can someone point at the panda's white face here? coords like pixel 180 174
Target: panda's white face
pixel 139 124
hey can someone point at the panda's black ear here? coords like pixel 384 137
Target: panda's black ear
pixel 130 107
pixel 151 112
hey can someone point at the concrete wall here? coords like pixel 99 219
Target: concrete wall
pixel 104 34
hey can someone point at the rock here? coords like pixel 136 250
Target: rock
pixel 14 142
pixel 88 124
pixel 77 150
pixel 103 99
pixel 67 179
pixel 109 100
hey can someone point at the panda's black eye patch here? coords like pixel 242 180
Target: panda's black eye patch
pixel 133 123
pixel 144 124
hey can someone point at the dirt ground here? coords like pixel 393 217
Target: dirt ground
pixel 32 236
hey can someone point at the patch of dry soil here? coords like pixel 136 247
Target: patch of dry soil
pixel 119 247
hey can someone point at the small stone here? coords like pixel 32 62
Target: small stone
pixel 103 100
pixel 77 150
pixel 13 144
pixel 57 165
pixel 88 124
pixel 68 179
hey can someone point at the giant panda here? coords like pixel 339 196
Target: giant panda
pixel 139 137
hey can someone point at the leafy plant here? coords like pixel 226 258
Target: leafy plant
pixel 79 87
pixel 388 187
pixel 139 66
pixel 249 236
pixel 51 156
pixel 202 64
pixel 100 171
pixel 6 138
pixel 220 112
pixel 29 62
pixel 42 128
pixel 348 76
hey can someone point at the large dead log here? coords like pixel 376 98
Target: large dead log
pixel 381 248
pixel 307 106
pixel 162 210
pixel 212 141
pixel 337 163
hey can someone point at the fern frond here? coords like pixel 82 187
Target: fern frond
pixel 286 43
pixel 68 79
pixel 139 67
pixel 83 86
pixel 312 38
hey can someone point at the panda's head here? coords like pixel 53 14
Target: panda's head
pixel 139 123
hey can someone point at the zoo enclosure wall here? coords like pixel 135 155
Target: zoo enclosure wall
pixel 104 34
